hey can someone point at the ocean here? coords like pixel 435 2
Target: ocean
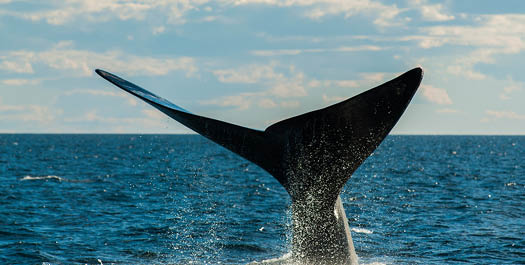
pixel 181 199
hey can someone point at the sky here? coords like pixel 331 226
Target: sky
pixel 255 62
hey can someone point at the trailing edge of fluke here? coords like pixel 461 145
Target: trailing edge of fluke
pixel 312 155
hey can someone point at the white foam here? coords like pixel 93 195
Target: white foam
pixel 284 260
pixel 361 230
pixel 42 177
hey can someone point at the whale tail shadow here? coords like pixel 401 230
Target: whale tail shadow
pixel 312 155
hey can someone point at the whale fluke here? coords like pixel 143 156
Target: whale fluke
pixel 312 155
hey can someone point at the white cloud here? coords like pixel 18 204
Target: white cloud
pixel 346 83
pixel 373 77
pixel 335 99
pixel 281 52
pixel 6 108
pixel 512 87
pixel 503 114
pixel 286 87
pixel 504 32
pixel 436 95
pixel 20 82
pixel 17 62
pixel 83 62
pixel 278 83
pixel 247 74
pixel 289 104
pixel 210 18
pixel 154 114
pixel 491 35
pixel 366 80
pixel 466 71
pixel 29 113
pixel 267 103
pixel 151 119
pixel 175 11
pixel 447 111
pixel 159 30
pixel 62 12
pixel 281 85
pixel 317 9
pixel 242 101
pixel 431 12
pixel 93 92
pixel 465 65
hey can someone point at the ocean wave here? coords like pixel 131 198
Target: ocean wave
pixel 43 177
pixel 56 178
pixel 361 230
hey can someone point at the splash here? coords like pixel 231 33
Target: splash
pixel 361 230
pixel 286 259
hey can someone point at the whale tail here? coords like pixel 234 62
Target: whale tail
pixel 313 154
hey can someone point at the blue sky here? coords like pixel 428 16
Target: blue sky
pixel 255 62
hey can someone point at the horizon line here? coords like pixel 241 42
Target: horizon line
pixel 193 133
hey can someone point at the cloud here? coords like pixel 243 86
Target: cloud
pixel 29 113
pixel 286 87
pixel 17 62
pixel 278 83
pixel 151 119
pixel 504 114
pixel 242 101
pixel 436 95
pixel 20 82
pixel 93 92
pixel 246 75
pixel 447 111
pixel 491 35
pixel 335 99
pixel 176 11
pixel 158 30
pixel 511 88
pixel 346 83
pixel 318 9
pixel 281 84
pixel 505 32
pixel 62 12
pixel 289 104
pixel 431 12
pixel 83 62
pixel 281 52
pixel 366 79
pixel 267 103
pixel 464 66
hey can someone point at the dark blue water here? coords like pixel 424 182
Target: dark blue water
pixel 180 199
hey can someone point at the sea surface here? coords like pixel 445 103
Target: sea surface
pixel 181 199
